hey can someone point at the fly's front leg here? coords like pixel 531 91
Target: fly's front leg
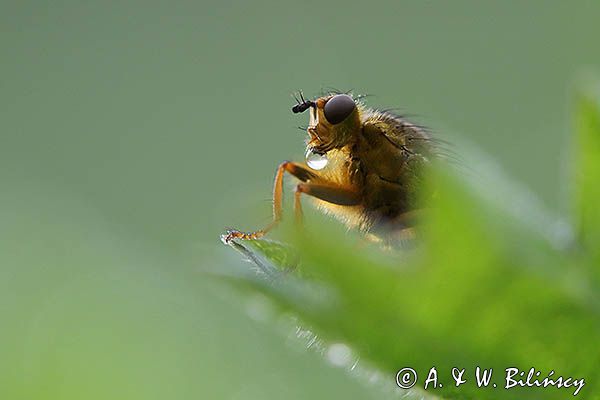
pixel 295 169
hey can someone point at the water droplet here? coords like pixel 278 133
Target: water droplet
pixel 339 355
pixel 316 161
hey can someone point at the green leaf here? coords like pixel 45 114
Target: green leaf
pixel 587 166
pixel 491 285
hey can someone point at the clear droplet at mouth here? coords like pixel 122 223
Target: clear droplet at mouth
pixel 316 161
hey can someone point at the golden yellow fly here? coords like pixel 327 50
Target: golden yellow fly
pixel 364 166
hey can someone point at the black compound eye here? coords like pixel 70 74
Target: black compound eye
pixel 338 108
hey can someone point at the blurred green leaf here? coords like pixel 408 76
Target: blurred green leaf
pixel 587 169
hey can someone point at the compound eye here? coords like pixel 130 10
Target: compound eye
pixel 338 108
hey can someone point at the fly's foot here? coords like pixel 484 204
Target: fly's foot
pixel 232 234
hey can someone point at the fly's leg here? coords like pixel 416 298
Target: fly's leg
pixel 329 192
pixel 407 220
pixel 401 231
pixel 298 208
pixel 292 168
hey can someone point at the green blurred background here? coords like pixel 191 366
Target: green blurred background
pixel 132 133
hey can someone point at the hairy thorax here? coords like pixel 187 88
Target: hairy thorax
pixel 383 171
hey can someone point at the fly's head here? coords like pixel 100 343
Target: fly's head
pixel 333 120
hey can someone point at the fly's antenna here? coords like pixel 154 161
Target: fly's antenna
pixel 301 103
